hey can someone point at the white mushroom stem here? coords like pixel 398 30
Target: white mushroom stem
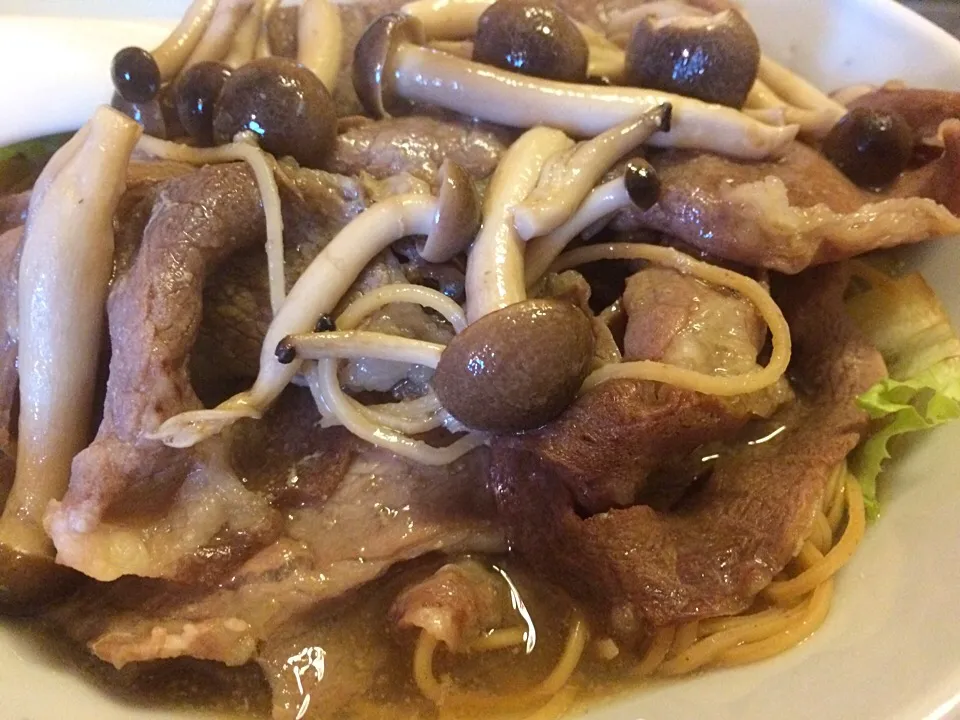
pixel 218 38
pixel 320 40
pixel 410 417
pixel 435 78
pixel 316 292
pixel 601 203
pixel 65 272
pixel 849 93
pixel 245 40
pixel 605 58
pixel 172 53
pixel 262 49
pixel 797 91
pixel 494 276
pixel 569 177
pixel 765 105
pixel 447 19
pixel 262 166
pixel 364 344
pixel 460 48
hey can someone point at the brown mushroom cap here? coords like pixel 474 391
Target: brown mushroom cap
pixel 373 61
pixel 284 104
pixel 458 215
pixel 29 582
pixel 517 368
pixel 714 59
pixel 532 37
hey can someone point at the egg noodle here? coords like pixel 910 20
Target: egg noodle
pixel 785 613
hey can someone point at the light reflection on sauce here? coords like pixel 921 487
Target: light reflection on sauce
pixel 308 668
pixel 517 602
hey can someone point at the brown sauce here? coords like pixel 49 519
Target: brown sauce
pixel 352 635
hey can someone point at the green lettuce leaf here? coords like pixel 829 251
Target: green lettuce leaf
pixel 925 401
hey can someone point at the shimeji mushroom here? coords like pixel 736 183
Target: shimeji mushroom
pixel 567 179
pixel 449 222
pixel 245 39
pixel 639 186
pixel 65 272
pixel 218 39
pixel 320 40
pixel 390 66
pixel 449 25
pixel 519 362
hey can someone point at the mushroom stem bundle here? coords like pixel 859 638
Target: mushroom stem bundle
pixel 262 48
pixel 568 179
pixel 494 277
pixel 65 272
pixel 246 38
pixel 765 105
pixel 449 222
pixel 320 40
pixel 798 92
pixel 388 55
pixel 172 53
pixel 601 203
pixel 218 38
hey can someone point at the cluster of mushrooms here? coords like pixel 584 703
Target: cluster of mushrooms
pixel 219 88
pixel 687 79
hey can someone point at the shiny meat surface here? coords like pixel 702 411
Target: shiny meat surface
pixel 712 553
pixel 350 512
pixel 456 604
pixel 128 494
pixel 417 145
pixel 682 321
pixel 783 215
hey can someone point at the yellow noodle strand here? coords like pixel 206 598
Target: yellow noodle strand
pixel 657 652
pixel 838 556
pixel 671 374
pixel 499 640
pixel 808 623
pixel 686 636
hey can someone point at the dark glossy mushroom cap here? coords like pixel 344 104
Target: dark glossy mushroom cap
pixel 373 61
pixel 642 183
pixel 196 92
pixel 715 59
pixel 870 147
pixel 158 116
pixel 533 38
pixel 28 583
pixel 457 219
pixel 517 368
pixel 283 103
pixel 135 74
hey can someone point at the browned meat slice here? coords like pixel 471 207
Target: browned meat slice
pixel 679 320
pixel 350 513
pixel 923 110
pixel 725 541
pixel 456 604
pixel 107 523
pixel 236 299
pixel 416 145
pixel 783 215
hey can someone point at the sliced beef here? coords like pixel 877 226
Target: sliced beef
pixel 682 321
pixel 456 604
pixel 417 145
pixel 350 513
pixel 236 298
pixel 710 555
pixel 133 504
pixel 784 215
pixel 923 109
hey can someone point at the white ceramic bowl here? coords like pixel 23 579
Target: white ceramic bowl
pixel 891 645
